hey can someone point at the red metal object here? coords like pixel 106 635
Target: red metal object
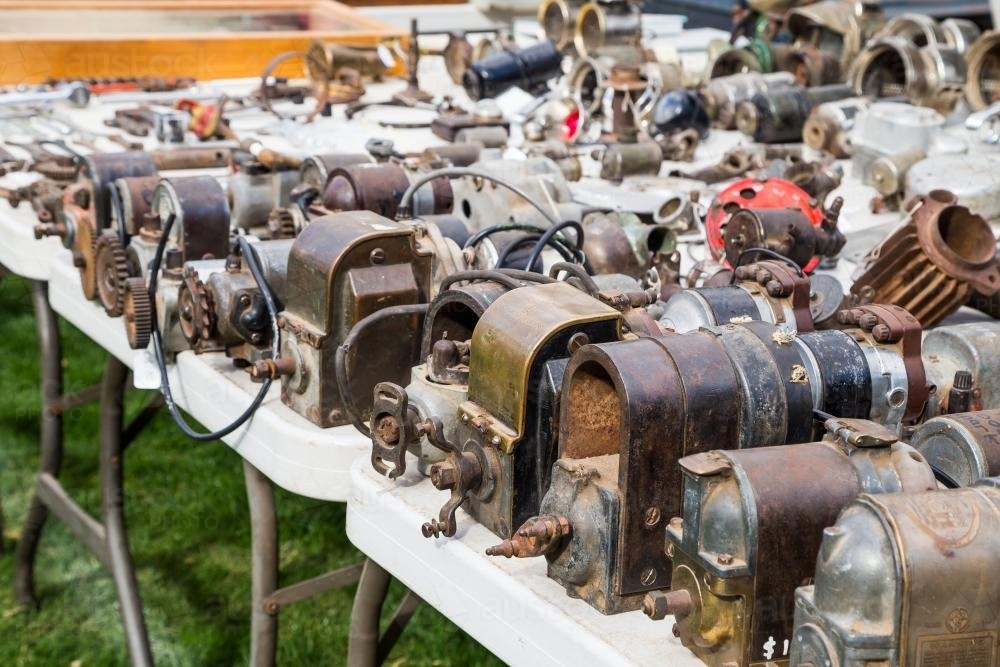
pixel 772 193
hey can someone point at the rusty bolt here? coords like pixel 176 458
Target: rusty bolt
pixel 867 321
pixel 652 516
pixel 774 288
pixel 660 604
pixel 444 475
pixel 725 559
pixel 388 429
pixel 882 333
pixel 377 256
pixel 648 576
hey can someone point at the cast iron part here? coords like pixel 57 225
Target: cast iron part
pixel 342 268
pixel 749 535
pixel 379 187
pixel 529 68
pixel 905 579
pixel 932 264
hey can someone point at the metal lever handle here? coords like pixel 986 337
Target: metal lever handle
pixel 390 429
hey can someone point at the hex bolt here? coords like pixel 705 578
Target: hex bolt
pixel 652 516
pixel 660 604
pixel 444 475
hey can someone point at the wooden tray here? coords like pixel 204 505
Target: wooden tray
pixel 217 39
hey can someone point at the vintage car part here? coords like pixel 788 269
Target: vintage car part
pixel 893 128
pixel 969 177
pixel 779 115
pixel 482 203
pixel 630 410
pixel 255 190
pixel 619 160
pixel 748 537
pixel 904 579
pixel 723 94
pixel 501 468
pixel 932 76
pixel 959 349
pixel 922 30
pixel 619 242
pixel 766 291
pixel 558 21
pixel 679 110
pixel 528 68
pixel 888 174
pixel 932 263
pixel 981 88
pixel 607 23
pixel 315 169
pixel 788 205
pixel 839 27
pixel 225 310
pixel 341 269
pixel 829 125
pixel 587 81
pixel 965 446
pixel 485 123
pixel 817 178
pixel 379 187
pixel 200 231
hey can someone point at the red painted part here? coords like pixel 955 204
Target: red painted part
pixel 753 193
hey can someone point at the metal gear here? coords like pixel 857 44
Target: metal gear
pixel 113 270
pixel 138 313
pixel 196 308
pixel 282 223
pixel 83 255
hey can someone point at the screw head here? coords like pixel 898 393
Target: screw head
pixel 377 256
pixel 648 576
pixel 652 516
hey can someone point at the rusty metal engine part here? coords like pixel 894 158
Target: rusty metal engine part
pixel 839 27
pixel 485 124
pixel 225 310
pixel 619 160
pixel 619 242
pixel 904 579
pixel 630 410
pixel 748 537
pixel 254 191
pixel 723 94
pixel 775 194
pixel 922 30
pixel 965 446
pixel 817 179
pixel 200 230
pixel 379 187
pixel 779 115
pixel 607 23
pixel 528 68
pixel 557 19
pixel 622 108
pixel 767 291
pixel 893 128
pixel 931 76
pixel 315 170
pixel 323 60
pixel 458 55
pixel 501 470
pixel 888 175
pixel 483 203
pixel 959 349
pixel 735 163
pixel 587 80
pixel 932 263
pixel 981 89
pixel 829 125
pixel 558 152
pixel 343 268
pixel 789 232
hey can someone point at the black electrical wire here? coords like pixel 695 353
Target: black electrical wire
pixel 509 278
pixel 946 480
pixel 119 208
pixel 578 272
pixel 549 233
pixel 253 263
pixel 768 252
pixel 476 238
pixel 522 241
pixel 340 357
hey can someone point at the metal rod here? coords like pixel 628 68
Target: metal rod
pixel 142 420
pixel 315 586
pixel 264 572
pixel 87 530
pixel 75 400
pixel 50 440
pixel 112 510
pixel 363 642
pixel 400 619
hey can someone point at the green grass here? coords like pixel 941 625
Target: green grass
pixel 189 530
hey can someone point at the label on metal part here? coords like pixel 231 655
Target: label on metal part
pixel 969 650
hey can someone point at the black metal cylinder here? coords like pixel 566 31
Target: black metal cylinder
pixel 525 68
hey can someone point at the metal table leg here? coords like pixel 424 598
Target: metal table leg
pixel 367 646
pixel 107 541
pixel 268 599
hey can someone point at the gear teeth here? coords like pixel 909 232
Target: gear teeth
pixel 199 323
pixel 281 224
pixel 112 272
pixel 138 313
pixel 84 256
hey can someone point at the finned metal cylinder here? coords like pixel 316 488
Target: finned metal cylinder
pixel 607 24
pixel 931 264
pixel 983 88
pixel 932 76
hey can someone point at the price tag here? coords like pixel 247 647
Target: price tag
pixel 145 372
